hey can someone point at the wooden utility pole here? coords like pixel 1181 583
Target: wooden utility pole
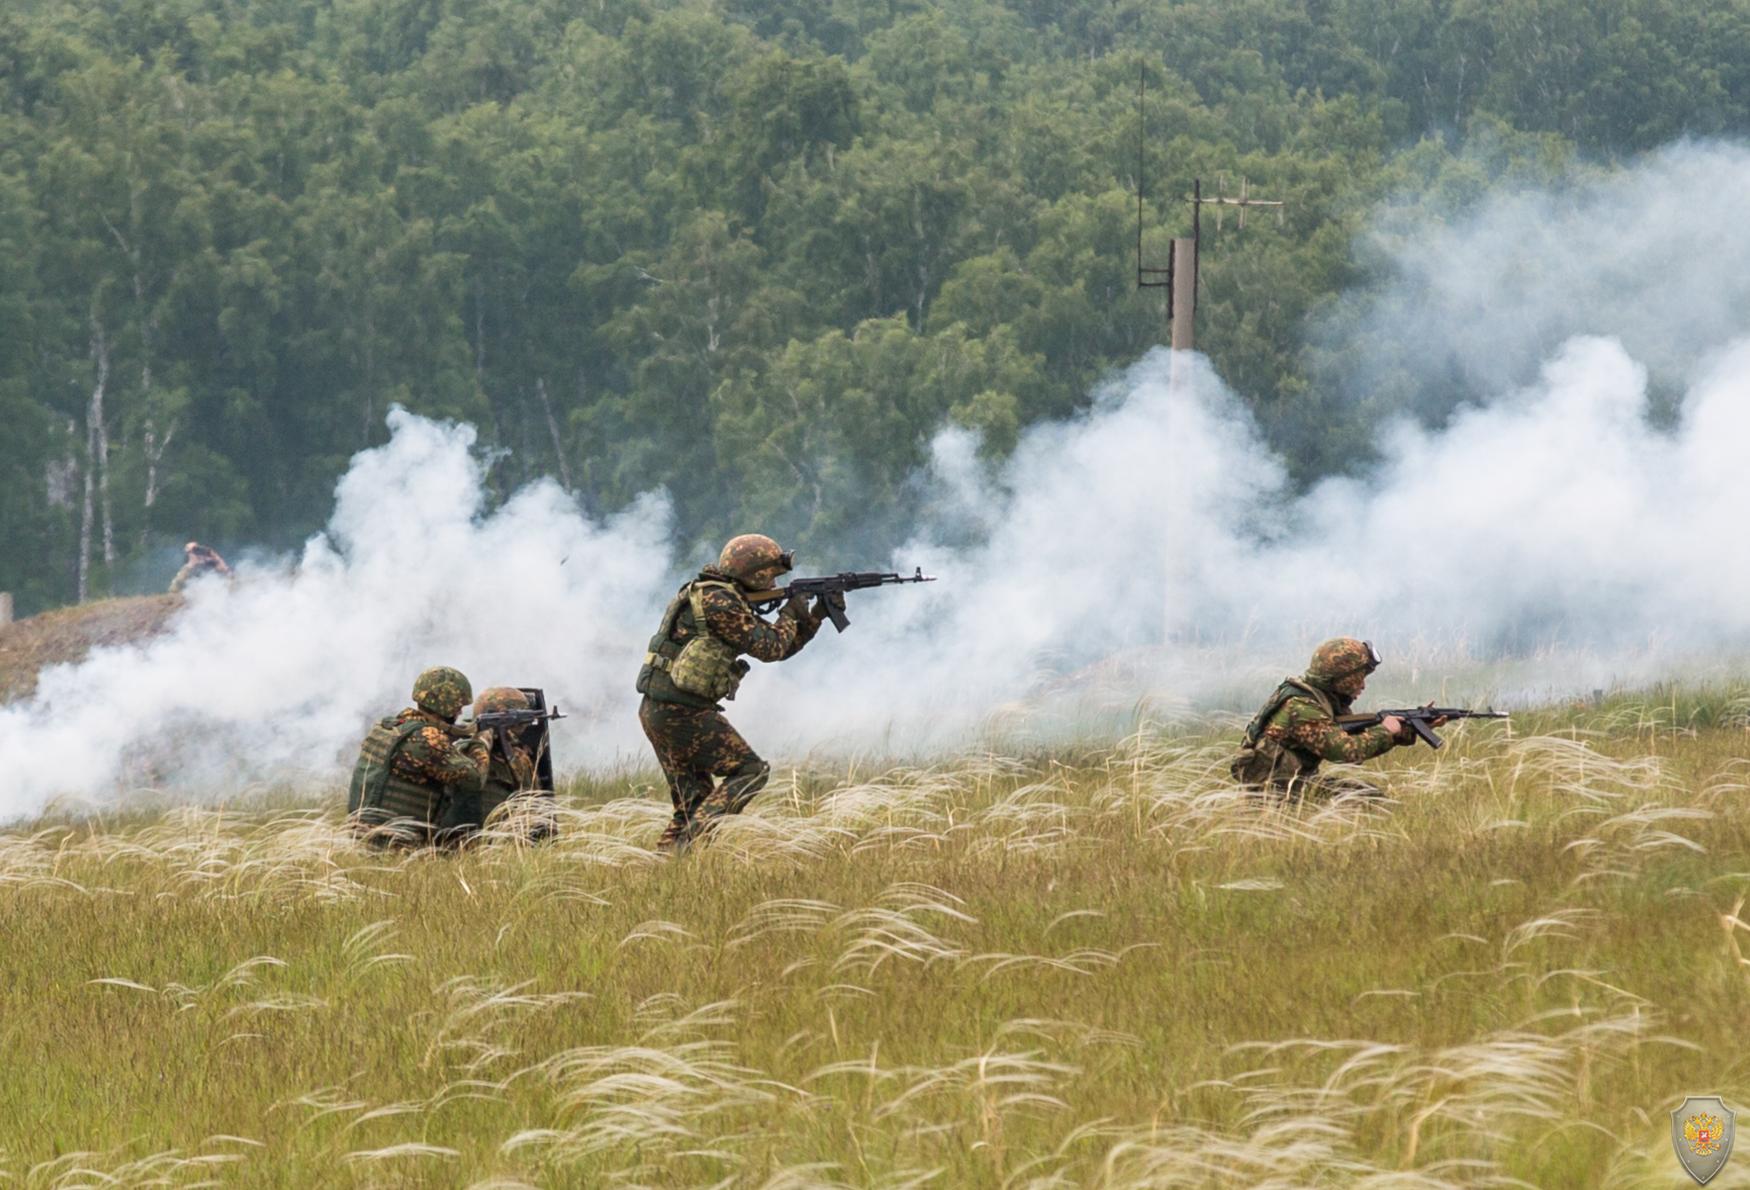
pixel 1179 278
pixel 1183 313
pixel 5 608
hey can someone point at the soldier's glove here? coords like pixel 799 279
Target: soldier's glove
pixel 796 607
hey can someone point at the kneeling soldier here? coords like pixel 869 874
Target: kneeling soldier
pixel 694 660
pixel 418 775
pixel 1297 728
pixel 514 775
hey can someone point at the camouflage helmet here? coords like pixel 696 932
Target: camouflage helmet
pixel 752 552
pixel 442 691
pixel 500 698
pixel 1341 658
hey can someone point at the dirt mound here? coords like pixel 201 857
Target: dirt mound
pixel 69 633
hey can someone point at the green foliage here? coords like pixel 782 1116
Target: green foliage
pixel 665 243
pixel 843 422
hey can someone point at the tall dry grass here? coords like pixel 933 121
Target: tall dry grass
pixel 1099 966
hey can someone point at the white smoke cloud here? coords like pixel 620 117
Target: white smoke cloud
pixel 274 678
pixel 1656 255
pixel 1553 538
pixel 1550 543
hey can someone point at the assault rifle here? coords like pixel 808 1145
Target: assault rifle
pixel 831 589
pixel 1417 719
pixel 516 720
pixel 527 727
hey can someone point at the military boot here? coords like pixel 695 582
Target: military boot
pixel 676 835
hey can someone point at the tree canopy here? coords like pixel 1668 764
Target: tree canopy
pixel 755 254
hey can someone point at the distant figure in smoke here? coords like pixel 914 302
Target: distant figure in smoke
pixel 1297 728
pixel 418 776
pixel 695 660
pixel 198 559
pixel 514 772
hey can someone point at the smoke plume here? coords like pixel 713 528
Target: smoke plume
pixel 1551 535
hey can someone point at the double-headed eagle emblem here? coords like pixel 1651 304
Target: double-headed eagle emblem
pixel 1702 1133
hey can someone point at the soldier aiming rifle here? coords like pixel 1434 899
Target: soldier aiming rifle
pixel 419 772
pixel 1307 721
pixel 695 660
pixel 516 720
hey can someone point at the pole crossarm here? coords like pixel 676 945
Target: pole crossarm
pixel 1244 202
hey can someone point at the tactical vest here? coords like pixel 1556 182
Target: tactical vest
pixel 378 794
pixel 703 668
pixel 1264 761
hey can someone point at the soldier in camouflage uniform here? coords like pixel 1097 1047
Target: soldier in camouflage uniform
pixel 514 771
pixel 695 660
pixel 418 776
pixel 1296 730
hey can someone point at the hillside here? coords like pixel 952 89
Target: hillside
pixel 69 633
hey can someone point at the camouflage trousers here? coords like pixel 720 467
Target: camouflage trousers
pixel 695 746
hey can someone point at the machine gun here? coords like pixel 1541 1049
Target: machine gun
pixel 830 589
pixel 1417 719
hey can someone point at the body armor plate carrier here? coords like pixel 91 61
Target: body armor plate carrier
pixel 378 795
pixel 705 668
pixel 1264 761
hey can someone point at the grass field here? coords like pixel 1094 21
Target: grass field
pixel 1095 967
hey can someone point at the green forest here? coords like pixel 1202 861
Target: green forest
pixel 753 253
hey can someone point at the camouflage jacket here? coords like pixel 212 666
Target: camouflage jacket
pixel 1296 730
pixel 729 618
pixel 435 755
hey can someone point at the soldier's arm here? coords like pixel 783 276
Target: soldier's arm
pixel 1309 728
pixel 733 621
pixel 433 757
pixel 523 766
pixel 806 627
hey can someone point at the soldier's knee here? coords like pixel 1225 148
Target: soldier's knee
pixel 746 780
pixel 751 769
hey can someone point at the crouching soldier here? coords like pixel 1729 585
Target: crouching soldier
pixel 418 776
pixel 514 774
pixel 1297 729
pixel 695 659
